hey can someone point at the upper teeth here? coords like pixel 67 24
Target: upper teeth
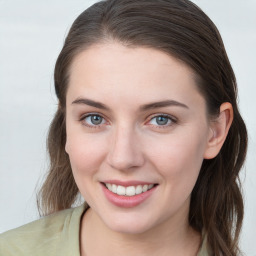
pixel 128 191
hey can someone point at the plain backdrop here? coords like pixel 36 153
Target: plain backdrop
pixel 31 36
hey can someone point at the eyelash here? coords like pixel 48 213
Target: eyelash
pixel 171 119
pixel 82 119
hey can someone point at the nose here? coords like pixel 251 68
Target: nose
pixel 125 150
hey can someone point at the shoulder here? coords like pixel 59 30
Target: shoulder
pixel 44 236
pixel 204 250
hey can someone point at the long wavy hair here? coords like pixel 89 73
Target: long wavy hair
pixel 181 29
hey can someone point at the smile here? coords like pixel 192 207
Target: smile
pixel 128 191
pixel 128 194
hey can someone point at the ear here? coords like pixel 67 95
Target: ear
pixel 67 147
pixel 219 130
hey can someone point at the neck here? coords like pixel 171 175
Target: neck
pixel 172 237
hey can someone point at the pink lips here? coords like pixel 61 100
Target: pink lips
pixel 126 183
pixel 127 201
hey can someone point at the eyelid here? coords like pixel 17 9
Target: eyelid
pixel 83 117
pixel 171 118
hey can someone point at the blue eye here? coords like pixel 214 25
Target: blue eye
pixel 94 120
pixel 161 120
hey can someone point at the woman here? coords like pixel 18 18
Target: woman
pixel 148 131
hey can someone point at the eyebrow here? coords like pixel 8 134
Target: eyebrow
pixel 90 103
pixel 154 105
pixel 161 104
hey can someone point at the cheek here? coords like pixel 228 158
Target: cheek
pixel 85 153
pixel 179 157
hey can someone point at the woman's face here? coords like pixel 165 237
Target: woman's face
pixel 134 118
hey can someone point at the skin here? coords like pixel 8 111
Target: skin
pixel 129 144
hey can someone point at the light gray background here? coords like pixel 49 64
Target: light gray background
pixel 31 36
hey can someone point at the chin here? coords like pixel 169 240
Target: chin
pixel 129 229
pixel 129 224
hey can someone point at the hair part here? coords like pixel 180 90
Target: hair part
pixel 181 29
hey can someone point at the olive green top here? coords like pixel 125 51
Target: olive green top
pixel 56 234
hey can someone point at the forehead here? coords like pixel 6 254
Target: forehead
pixel 102 57
pixel 143 74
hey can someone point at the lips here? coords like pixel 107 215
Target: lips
pixel 127 194
pixel 130 190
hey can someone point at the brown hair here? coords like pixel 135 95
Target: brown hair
pixel 181 29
